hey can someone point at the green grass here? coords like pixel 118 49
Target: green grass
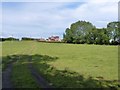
pixel 21 76
pixel 70 79
pixel 97 61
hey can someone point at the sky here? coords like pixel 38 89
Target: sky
pixel 41 19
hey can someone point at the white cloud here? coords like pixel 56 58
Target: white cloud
pixel 92 1
pixel 37 18
pixel 43 0
pixel 94 12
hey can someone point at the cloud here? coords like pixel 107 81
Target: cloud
pixel 98 11
pixel 92 1
pixel 47 18
pixel 119 11
pixel 44 0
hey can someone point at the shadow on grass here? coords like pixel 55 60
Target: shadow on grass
pixel 70 79
pixel 60 78
pixel 14 58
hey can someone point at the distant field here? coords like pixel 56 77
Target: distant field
pixel 88 60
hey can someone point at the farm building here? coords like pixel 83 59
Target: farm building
pixel 54 38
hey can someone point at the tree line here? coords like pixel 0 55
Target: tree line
pixel 16 39
pixel 82 32
pixel 9 39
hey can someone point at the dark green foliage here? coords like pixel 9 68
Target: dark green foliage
pixel 114 32
pixel 27 38
pixel 7 60
pixel 84 32
pixel 78 32
pixel 9 39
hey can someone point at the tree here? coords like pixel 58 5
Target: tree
pixel 92 36
pixel 77 32
pixel 102 36
pixel 114 32
pixel 27 38
pixel 84 32
pixel 68 37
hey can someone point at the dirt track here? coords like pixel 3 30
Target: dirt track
pixel 6 77
pixel 38 78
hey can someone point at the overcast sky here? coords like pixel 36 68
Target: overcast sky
pixel 43 19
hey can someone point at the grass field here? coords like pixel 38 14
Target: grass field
pixel 97 61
